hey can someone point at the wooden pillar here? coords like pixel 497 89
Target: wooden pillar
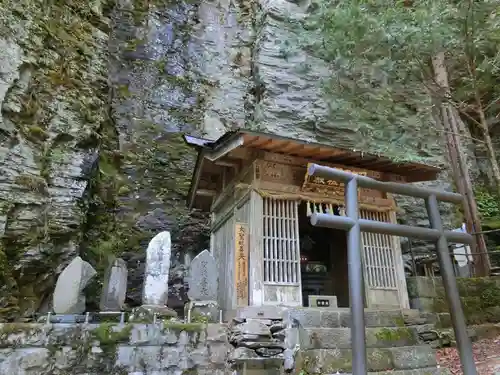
pixel 256 271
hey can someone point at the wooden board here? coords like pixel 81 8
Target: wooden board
pixel 278 172
pixel 293 160
pixel 241 264
pixel 289 178
pixel 333 188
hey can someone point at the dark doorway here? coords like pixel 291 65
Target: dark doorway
pixel 323 259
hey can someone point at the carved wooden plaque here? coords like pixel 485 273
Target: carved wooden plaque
pixel 332 188
pixel 278 172
pixel 293 160
pixel 294 179
pixel 241 264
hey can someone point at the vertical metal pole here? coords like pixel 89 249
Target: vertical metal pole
pixel 450 286
pixel 356 287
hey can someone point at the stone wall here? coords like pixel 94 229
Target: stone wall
pixel 480 298
pixel 106 349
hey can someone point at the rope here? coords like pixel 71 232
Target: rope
pixel 316 200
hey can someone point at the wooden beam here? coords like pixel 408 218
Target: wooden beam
pixel 229 189
pixel 235 143
pixel 243 153
pixel 227 163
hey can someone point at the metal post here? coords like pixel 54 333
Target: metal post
pixel 450 286
pixel 355 274
pixel 436 233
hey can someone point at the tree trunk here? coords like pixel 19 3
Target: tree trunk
pixel 458 164
pixel 489 145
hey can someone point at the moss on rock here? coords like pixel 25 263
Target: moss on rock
pixel 187 327
pixel 394 334
pixel 108 334
pixel 56 105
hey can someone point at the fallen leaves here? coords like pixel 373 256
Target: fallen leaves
pixel 486 355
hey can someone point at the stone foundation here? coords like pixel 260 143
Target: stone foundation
pixel 480 298
pixel 259 340
pixel 109 349
pixel 397 341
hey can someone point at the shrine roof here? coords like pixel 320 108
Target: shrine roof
pixel 222 148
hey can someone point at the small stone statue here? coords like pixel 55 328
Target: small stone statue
pixel 68 294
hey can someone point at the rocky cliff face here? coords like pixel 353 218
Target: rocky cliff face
pixel 53 94
pixel 94 100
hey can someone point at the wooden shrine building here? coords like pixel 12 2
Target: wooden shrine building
pixel 256 187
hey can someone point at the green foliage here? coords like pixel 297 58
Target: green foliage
pixel 380 52
pixel 487 203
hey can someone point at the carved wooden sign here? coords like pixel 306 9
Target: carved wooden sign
pixel 333 188
pixel 294 179
pixel 313 183
pixel 241 264
pixel 278 172
pixel 292 160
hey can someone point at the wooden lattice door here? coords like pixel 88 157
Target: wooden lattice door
pixel 383 270
pixel 281 252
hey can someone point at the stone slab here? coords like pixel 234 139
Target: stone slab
pixel 336 318
pixel 261 312
pixel 202 279
pixel 69 297
pixel 115 286
pixel 413 357
pixel 157 268
pixel 324 361
pixel 340 338
pixel 420 371
pixel 423 303
pixel 421 286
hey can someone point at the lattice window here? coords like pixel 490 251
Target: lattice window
pixel 378 252
pixel 281 242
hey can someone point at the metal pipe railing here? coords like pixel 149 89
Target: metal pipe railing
pixel 372 226
pixel 386 187
pixel 353 225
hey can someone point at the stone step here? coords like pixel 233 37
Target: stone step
pixel 340 338
pixel 275 371
pixel 336 318
pixel 420 371
pixel 317 317
pixel 324 361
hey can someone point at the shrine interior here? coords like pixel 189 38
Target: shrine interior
pixel 323 254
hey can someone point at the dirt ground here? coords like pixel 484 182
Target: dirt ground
pixel 486 354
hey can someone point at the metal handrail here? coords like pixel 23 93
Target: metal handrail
pixel 354 225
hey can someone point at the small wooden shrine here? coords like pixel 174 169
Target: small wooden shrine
pixel 256 187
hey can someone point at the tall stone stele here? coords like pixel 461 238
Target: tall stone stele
pixel 69 297
pixel 155 289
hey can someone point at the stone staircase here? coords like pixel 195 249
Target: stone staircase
pixel 398 341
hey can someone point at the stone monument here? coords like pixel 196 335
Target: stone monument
pixel 68 294
pixel 155 289
pixel 203 288
pixel 115 286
